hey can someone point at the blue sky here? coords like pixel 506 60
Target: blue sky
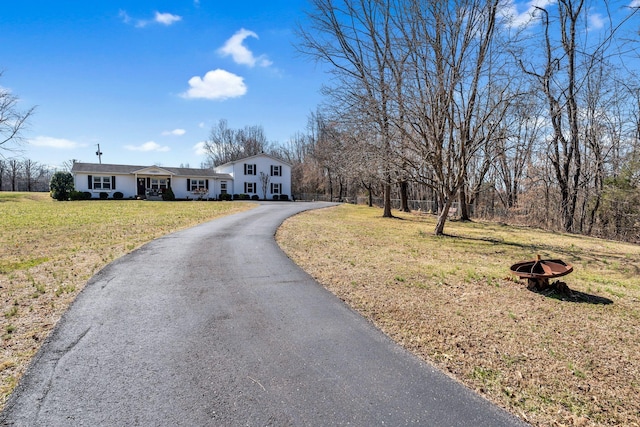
pixel 147 80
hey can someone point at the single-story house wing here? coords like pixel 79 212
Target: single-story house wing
pixel 261 175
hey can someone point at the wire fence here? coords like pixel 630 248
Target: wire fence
pixel 424 206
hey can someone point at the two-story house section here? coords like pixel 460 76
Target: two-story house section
pixel 263 175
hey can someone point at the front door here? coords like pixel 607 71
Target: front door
pixel 141 186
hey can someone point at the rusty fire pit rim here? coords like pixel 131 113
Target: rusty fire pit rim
pixel 566 269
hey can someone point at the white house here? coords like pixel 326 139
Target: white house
pixel 264 175
pixel 261 175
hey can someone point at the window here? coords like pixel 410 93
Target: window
pixel 102 183
pixel 249 187
pixel 250 169
pixel 198 184
pixel 276 188
pixel 223 187
pixel 276 170
pixel 158 183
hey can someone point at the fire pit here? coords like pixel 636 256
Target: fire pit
pixel 538 272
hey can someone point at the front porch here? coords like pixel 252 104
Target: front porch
pixel 152 183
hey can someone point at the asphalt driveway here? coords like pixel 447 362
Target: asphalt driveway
pixel 215 326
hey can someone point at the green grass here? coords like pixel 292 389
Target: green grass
pixel 48 250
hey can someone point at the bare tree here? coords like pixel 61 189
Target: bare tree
pixel 227 145
pixel 30 170
pixel 565 78
pixel 449 75
pixel 14 172
pixel 265 178
pixel 67 165
pixel 355 38
pixel 514 152
pixel 12 119
pixel 3 170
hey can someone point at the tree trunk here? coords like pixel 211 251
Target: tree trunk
pixel 404 199
pixel 387 201
pixel 464 208
pixel 369 189
pixel 442 217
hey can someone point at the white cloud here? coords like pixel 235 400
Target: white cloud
pixel 175 132
pixel 216 84
pixel 235 48
pixel 159 18
pixel 634 3
pixel 167 18
pixel 147 146
pixel 124 16
pixel 517 16
pixel 596 21
pixel 50 142
pixel 199 149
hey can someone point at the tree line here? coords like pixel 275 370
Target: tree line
pixel 24 175
pixel 535 123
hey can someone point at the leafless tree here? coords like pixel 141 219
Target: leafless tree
pixel 226 145
pixel 522 132
pixel 12 119
pixel 30 170
pixel 265 178
pixel 3 170
pixel 67 165
pixel 355 38
pixel 449 74
pixel 14 172
pixel 565 77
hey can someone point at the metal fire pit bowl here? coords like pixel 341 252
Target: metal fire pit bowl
pixel 539 271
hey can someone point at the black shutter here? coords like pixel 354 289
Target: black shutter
pixel 188 184
pixel 206 183
pixel 271 170
pixel 113 182
pixel 148 182
pixel 255 169
pixel 168 182
pixel 90 183
pixel 245 168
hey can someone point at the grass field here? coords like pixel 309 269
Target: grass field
pixel 549 358
pixel 49 249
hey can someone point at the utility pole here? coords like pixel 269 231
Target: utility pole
pixel 99 154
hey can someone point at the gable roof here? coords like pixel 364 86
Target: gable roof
pixel 244 159
pixel 97 168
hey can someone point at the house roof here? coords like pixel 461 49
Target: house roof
pixel 132 169
pixel 244 159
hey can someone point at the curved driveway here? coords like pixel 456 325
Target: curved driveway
pixel 215 326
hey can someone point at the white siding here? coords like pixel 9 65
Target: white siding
pixel 263 164
pixel 126 184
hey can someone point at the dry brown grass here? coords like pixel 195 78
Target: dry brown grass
pixel 452 301
pixel 49 249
